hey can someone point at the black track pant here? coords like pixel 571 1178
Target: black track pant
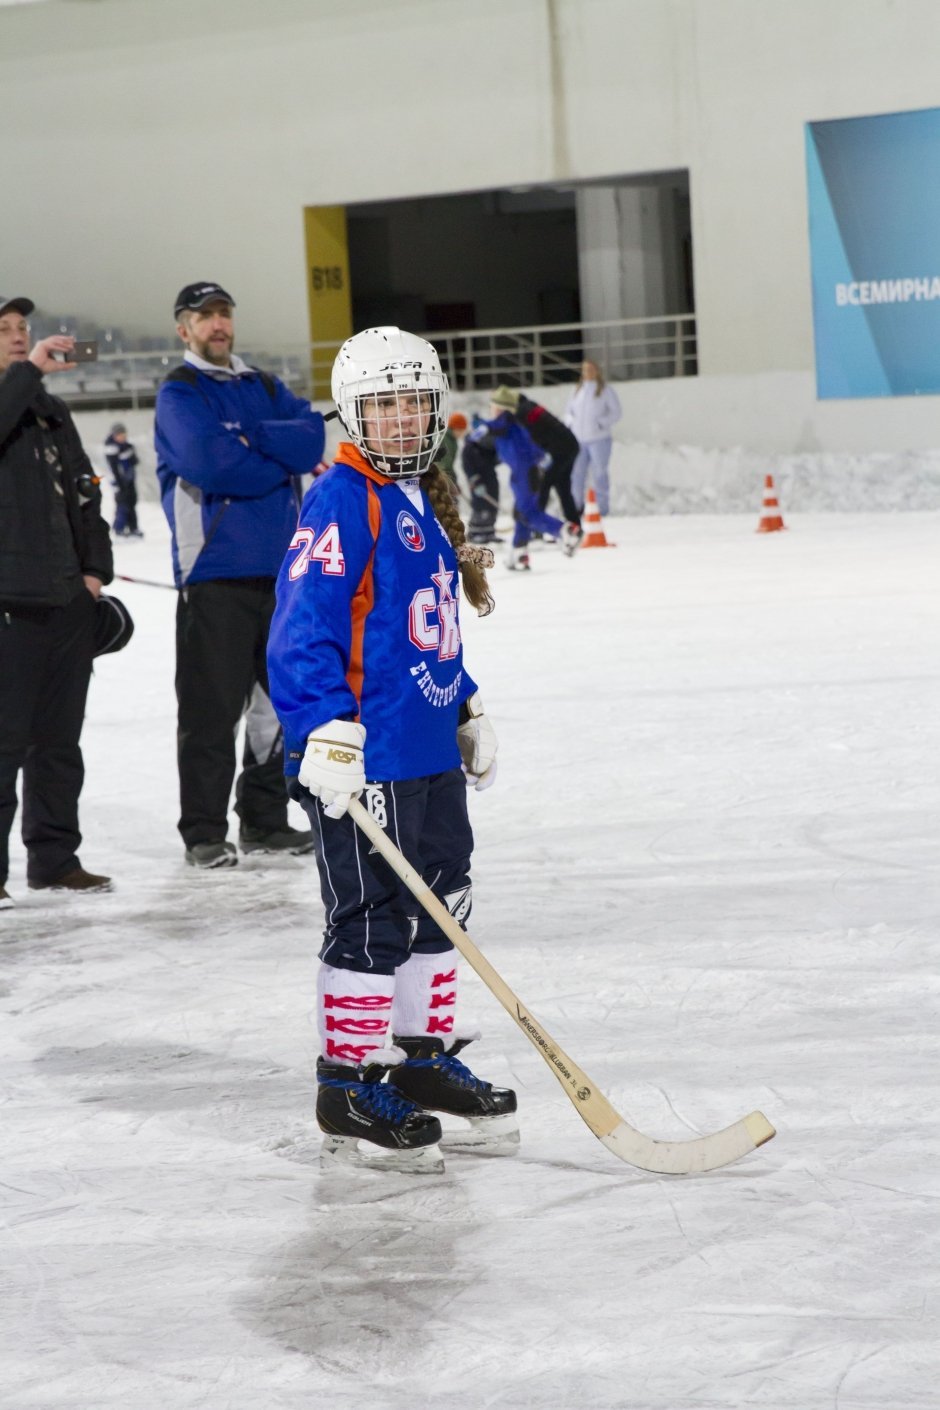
pixel 484 503
pixel 125 500
pixel 221 675
pixel 45 666
pixel 558 478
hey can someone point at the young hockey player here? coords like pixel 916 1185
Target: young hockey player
pixel 367 676
pixel 122 461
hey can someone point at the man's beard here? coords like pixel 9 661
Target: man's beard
pixel 213 353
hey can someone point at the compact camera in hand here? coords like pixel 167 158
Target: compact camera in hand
pixel 85 350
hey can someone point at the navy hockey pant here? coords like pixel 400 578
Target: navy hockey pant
pixel 45 666
pixel 373 923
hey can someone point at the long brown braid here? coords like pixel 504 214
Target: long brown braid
pixel 442 494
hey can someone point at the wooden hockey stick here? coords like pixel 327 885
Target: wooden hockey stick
pixel 663 1157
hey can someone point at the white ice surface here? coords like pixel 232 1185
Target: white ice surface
pixel 709 866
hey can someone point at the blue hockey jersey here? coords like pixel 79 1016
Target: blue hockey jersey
pixel 367 626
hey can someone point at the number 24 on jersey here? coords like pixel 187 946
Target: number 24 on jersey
pixel 325 550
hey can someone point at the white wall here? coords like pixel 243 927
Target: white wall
pixel 156 141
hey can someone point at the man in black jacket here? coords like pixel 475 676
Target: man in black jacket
pixel 55 555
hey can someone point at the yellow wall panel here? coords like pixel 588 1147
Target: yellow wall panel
pixel 328 291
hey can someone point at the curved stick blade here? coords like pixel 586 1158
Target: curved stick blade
pixel 690 1157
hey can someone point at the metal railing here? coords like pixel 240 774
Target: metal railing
pixel 474 360
pixel 626 349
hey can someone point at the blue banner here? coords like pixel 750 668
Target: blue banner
pixel 874 222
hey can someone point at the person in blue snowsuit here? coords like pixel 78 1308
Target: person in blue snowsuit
pixel 365 662
pixel 232 443
pixel 516 448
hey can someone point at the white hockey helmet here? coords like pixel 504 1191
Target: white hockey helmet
pixel 383 362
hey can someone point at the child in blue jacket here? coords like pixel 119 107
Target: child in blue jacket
pixel 123 462
pixel 366 668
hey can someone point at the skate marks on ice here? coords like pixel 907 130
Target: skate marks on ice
pixel 368 1294
pixel 469 1289
pixel 400 1289
pixel 209 1092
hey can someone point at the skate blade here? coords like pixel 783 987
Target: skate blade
pixel 349 1151
pixel 484 1135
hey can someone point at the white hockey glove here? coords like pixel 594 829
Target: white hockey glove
pixel 476 740
pixel 333 766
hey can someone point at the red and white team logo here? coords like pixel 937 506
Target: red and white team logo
pixel 432 619
pixel 409 531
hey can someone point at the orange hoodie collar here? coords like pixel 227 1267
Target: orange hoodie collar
pixel 351 455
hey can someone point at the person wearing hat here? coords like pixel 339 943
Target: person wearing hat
pixel 55 556
pixel 525 459
pixel 450 445
pixel 122 461
pixel 232 443
pixel 555 438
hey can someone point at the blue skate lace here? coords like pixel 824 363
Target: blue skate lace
pixel 462 1075
pixel 377 1098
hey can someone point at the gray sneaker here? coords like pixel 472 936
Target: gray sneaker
pixel 292 840
pixel 207 855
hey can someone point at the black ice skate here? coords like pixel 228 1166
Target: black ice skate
pixel 433 1078
pixel 354 1104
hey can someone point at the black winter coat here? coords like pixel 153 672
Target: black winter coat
pixel 32 421
pixel 546 430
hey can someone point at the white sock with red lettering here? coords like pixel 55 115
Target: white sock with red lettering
pixel 426 996
pixel 353 1013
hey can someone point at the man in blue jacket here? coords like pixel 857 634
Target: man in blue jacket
pixel 232 443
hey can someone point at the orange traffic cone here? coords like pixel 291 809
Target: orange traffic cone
pixel 594 536
pixel 771 520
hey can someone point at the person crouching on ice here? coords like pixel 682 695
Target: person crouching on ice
pixel 516 448
pixel 367 676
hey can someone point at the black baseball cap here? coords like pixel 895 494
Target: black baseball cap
pixel 23 306
pixel 198 295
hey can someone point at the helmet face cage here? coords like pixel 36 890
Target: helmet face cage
pixel 393 380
